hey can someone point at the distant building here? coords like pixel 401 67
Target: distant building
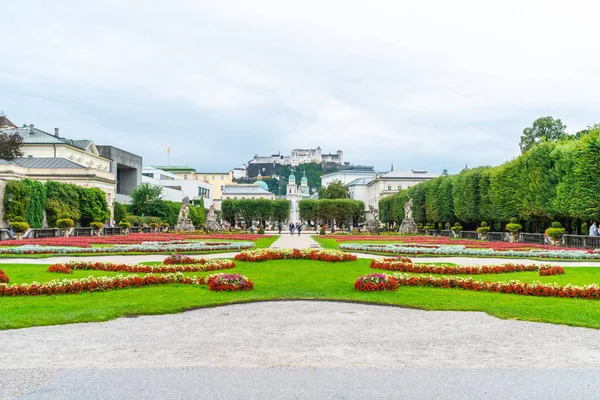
pixel 349 174
pixel 239 173
pixel 126 168
pixel 175 189
pixel 246 191
pixel 218 180
pixel 300 156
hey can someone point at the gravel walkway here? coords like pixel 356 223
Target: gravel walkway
pixel 282 337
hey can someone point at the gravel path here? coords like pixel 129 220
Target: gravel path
pixel 279 338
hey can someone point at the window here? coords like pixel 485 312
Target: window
pixel 196 177
pixel 185 176
pixel 205 178
pixel 213 177
pixel 222 177
pixel 389 187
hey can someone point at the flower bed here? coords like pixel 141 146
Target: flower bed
pixel 547 270
pixel 3 277
pixel 210 265
pixel 306 254
pixel 229 283
pixel 133 238
pixel 60 269
pixel 146 247
pixel 463 251
pixel 431 241
pixel 405 265
pixel 376 283
pixel 93 284
pixel 180 259
pixel 589 292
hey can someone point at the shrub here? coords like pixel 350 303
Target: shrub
pixel 420 226
pixel 555 233
pixel 97 225
pixel 457 228
pixel 556 224
pixel 483 229
pixel 164 224
pixel 19 219
pixel 513 220
pixel 153 225
pixel 20 227
pixel 484 224
pixel 428 227
pixel 65 223
pixel 513 227
pixel 322 231
pixel 124 225
pixel 132 220
pixel 261 231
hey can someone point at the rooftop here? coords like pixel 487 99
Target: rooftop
pixel 360 181
pixel 412 174
pixel 244 189
pixel 42 162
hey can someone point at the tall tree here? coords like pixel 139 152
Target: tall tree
pixel 545 128
pixel 144 198
pixel 335 190
pixel 10 145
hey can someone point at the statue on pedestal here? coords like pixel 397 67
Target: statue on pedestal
pixel 211 220
pixel 184 223
pixel 408 225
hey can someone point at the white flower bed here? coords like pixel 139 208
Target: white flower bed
pixel 460 250
pixel 146 247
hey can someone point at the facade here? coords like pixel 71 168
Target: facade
pixel 52 157
pixel 349 174
pixel 300 156
pixel 126 168
pixel 389 183
pixel 239 173
pixel 45 169
pixel 246 191
pixel 217 179
pixel 295 193
pixel 175 189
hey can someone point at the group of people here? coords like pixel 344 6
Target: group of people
pixel 297 227
pixel 594 230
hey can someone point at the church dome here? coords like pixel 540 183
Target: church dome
pixel 292 178
pixel 262 185
pixel 304 181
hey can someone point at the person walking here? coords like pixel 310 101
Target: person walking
pixel 299 227
pixel 292 228
pixel 279 227
pixel 593 230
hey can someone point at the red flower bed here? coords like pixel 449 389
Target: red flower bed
pixel 376 283
pixel 211 265
pixel 134 238
pixel 3 277
pixel 60 268
pixel 551 270
pixel 317 255
pixel 229 283
pixel 92 284
pixel 405 265
pixel 431 241
pixel 179 259
pixel 590 292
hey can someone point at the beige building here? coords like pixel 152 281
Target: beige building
pixel 246 191
pixel 218 180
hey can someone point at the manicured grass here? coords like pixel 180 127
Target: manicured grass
pixel 290 279
pixel 261 243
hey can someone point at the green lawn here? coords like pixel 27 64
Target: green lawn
pixel 265 242
pixel 290 279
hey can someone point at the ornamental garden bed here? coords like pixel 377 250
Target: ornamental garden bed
pixel 99 294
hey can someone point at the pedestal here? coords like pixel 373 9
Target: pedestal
pixel 408 226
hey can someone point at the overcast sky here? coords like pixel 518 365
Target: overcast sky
pixel 423 84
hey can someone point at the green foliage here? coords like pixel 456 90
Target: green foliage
pixel 343 211
pixel 36 193
pixel 10 146
pixel 120 211
pixel 229 210
pixel 261 230
pixel 334 190
pixel 322 231
pixel 145 198
pixel 556 224
pixel 483 229
pixel 313 175
pixel 484 224
pixel 514 220
pixel 124 225
pixel 545 128
pixel 513 227
pixel 15 199
pixel 20 227
pixel 65 223
pixel 19 219
pixel 92 206
pixel 280 209
pixel 61 198
pixel 307 209
pixel 96 225
pixel 555 233
pixel 456 227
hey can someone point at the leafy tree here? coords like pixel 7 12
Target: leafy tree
pixel 10 145
pixel 120 211
pixel 144 198
pixel 545 128
pixel 92 206
pixel 307 209
pixel 280 210
pixel 229 210
pixel 262 210
pixel 334 190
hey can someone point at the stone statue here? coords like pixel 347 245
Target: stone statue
pixel 408 225
pixel 184 223
pixel 408 209
pixel 211 220
pixel 374 225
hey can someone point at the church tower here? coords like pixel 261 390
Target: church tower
pixel 291 186
pixel 304 189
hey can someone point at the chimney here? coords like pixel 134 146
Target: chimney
pixel 56 132
pixel 31 129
